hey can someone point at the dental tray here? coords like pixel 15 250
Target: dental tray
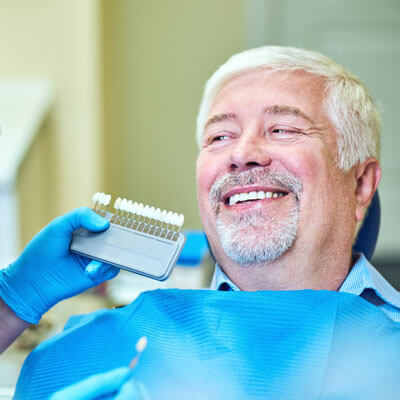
pixel 140 239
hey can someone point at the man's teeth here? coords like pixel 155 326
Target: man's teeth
pixel 241 197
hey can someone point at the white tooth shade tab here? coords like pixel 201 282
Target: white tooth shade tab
pixel 125 205
pixel 170 217
pixel 173 218
pixel 108 199
pixel 140 209
pixel 96 197
pixel 117 204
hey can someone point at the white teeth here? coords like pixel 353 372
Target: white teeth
pixel 252 196
pixel 260 195
pixel 234 199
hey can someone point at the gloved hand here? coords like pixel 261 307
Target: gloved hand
pixel 116 384
pixel 47 272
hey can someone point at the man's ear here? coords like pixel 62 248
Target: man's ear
pixel 368 175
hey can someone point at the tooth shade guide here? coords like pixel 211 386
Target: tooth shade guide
pixel 137 216
pixel 151 253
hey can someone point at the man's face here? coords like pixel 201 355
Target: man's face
pixel 267 179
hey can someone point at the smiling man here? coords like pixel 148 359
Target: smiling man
pixel 288 164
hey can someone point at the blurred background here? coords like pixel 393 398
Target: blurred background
pixel 102 95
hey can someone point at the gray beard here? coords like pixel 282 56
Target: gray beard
pixel 256 238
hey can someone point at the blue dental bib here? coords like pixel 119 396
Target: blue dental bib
pixel 205 344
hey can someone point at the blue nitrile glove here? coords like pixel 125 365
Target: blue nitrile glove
pixel 47 272
pixel 116 384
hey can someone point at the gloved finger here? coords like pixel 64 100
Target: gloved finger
pixel 94 268
pixel 100 272
pixel 132 390
pixel 82 217
pixel 108 273
pixel 95 386
pixel 90 220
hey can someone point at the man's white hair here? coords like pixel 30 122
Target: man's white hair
pixel 348 103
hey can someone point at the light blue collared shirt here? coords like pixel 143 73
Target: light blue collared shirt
pixel 363 280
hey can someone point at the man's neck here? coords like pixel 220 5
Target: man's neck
pixel 291 273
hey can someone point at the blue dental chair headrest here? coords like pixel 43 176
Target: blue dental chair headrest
pixel 368 234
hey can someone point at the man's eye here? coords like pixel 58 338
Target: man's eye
pixel 219 138
pixel 285 131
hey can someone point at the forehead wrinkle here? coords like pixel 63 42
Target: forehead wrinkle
pixel 287 110
pixel 220 117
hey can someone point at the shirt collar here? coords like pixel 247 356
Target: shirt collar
pixel 219 278
pixel 361 277
pixel 364 276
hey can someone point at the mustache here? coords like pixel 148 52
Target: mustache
pixel 260 176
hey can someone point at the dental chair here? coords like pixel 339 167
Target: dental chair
pixel 368 234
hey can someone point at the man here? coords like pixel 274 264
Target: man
pixel 288 164
pixel 295 126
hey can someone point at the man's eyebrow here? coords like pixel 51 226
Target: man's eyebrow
pixel 220 117
pixel 287 110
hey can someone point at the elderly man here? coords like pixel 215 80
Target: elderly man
pixel 288 164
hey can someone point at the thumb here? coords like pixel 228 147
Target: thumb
pixel 82 217
pixel 99 272
pixel 91 221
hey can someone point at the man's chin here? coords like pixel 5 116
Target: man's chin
pixel 257 244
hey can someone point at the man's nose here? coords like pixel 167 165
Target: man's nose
pixel 249 151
